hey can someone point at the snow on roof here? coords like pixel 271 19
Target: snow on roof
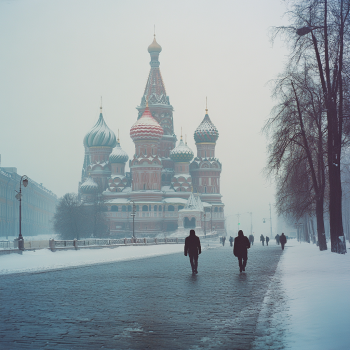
pixel 118 201
pixel 175 200
pixel 167 189
pixel 206 205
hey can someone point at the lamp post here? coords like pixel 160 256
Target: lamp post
pixel 133 218
pixel 205 231
pixel 24 180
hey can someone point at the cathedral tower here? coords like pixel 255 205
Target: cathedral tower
pixel 161 109
pixel 205 168
pixel 146 167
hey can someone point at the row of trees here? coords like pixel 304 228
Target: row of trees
pixel 308 129
pixel 76 219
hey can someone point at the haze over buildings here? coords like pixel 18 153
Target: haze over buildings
pixel 58 58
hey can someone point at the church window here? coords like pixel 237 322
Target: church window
pixel 124 208
pixel 155 208
pixel 160 208
pixel 145 208
pixel 114 208
pixel 216 209
pixel 129 207
pixel 171 208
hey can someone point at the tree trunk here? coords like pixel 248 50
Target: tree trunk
pixel 321 236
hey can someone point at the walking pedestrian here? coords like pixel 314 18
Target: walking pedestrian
pixel 262 239
pixel 193 249
pixel 240 250
pixel 251 239
pixel 231 241
pixel 267 240
pixel 277 237
pixel 223 241
pixel 283 240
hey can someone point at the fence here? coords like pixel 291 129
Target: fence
pixel 93 243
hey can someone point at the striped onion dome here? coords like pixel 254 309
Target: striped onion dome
pixel 100 135
pixel 118 155
pixel 146 128
pixel 181 153
pixel 89 186
pixel 206 131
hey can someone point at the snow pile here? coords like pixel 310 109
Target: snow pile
pixel 44 259
pixel 307 305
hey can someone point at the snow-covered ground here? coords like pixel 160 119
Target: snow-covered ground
pixel 308 304
pixel 44 259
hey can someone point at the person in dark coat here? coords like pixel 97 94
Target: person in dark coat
pixel 251 239
pixel 223 241
pixel 193 249
pixel 277 237
pixel 231 241
pixel 262 239
pixel 283 240
pixel 267 240
pixel 240 250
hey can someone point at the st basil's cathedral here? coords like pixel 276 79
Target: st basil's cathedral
pixel 171 189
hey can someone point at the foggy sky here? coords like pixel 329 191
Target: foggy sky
pixel 58 57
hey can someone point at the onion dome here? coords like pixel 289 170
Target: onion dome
pixel 100 135
pixel 89 186
pixel 118 155
pixel 146 128
pixel 181 153
pixel 154 47
pixel 206 131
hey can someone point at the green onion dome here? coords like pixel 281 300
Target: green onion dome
pixel 181 153
pixel 154 47
pixel 89 186
pixel 206 131
pixel 118 155
pixel 100 135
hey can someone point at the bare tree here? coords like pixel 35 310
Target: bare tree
pixel 69 218
pixel 297 150
pixel 319 35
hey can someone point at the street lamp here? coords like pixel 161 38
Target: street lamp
pixel 24 180
pixel 133 218
pixel 205 232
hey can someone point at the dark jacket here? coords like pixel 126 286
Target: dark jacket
pixel 241 245
pixel 192 245
pixel 283 239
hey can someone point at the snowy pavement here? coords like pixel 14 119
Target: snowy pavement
pixel 307 305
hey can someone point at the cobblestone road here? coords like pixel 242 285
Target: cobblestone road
pixel 152 303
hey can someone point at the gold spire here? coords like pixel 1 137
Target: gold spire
pixel 101 105
pixel 206 105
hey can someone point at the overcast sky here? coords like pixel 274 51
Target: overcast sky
pixel 58 57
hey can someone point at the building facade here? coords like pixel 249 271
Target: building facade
pixel 38 206
pixel 170 188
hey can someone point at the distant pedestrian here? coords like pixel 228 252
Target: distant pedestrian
pixel 251 239
pixel 283 240
pixel 223 241
pixel 231 241
pixel 193 249
pixel 262 239
pixel 240 250
pixel 277 237
pixel 267 240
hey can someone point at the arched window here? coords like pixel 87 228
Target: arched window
pixel 216 209
pixel 171 208
pixel 220 210
pixel 124 208
pixel 145 208
pixel 155 208
pixel 181 207
pixel 114 208
pixel 137 208
pixel 129 207
pixel 160 208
